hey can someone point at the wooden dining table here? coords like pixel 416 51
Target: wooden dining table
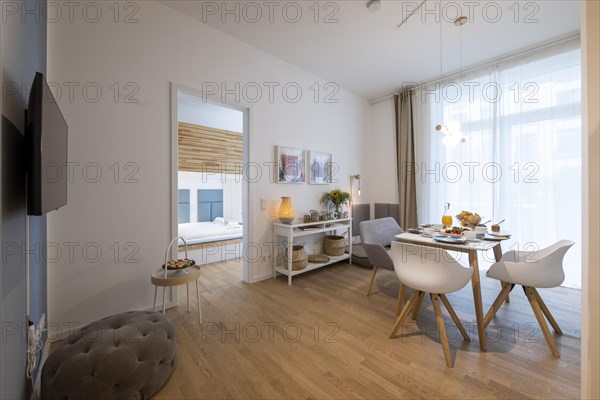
pixel 470 248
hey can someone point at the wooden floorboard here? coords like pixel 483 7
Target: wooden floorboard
pixel 322 338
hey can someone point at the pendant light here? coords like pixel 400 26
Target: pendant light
pixel 374 5
pixel 355 177
pixel 451 131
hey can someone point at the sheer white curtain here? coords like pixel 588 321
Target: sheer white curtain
pixel 522 157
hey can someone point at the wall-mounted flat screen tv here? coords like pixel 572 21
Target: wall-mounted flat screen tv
pixel 46 133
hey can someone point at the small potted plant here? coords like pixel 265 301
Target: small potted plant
pixel 336 199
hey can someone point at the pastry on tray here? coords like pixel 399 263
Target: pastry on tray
pixel 180 264
pixel 468 219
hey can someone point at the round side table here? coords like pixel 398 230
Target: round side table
pixel 176 278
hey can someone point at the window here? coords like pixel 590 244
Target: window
pixel 522 157
pixel 183 203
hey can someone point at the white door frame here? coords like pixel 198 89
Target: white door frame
pixel 246 109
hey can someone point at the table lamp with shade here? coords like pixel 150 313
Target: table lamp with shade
pixel 286 211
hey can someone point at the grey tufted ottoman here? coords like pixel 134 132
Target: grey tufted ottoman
pixel 125 356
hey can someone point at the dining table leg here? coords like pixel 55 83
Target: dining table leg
pixel 498 257
pixel 475 282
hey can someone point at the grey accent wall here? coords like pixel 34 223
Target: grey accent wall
pixel 383 210
pixel 22 53
pixel 360 213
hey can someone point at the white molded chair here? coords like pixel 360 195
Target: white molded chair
pixel 531 270
pixel 433 271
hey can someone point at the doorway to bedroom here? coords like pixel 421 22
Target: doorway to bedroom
pixel 210 189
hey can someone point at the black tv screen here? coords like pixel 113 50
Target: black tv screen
pixel 46 136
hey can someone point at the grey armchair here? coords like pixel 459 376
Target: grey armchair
pixel 376 236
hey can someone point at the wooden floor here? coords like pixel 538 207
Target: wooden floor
pixel 323 338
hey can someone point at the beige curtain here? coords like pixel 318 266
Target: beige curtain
pixel 405 157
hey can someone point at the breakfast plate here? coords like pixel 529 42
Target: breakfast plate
pixel 496 238
pixel 449 239
pixel 454 231
pixel 453 235
pixel 501 233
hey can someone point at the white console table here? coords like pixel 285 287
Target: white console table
pixel 290 232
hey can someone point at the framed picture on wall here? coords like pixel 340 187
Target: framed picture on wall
pixel 319 168
pixel 290 164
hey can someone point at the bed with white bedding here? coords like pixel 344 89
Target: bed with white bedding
pixel 209 232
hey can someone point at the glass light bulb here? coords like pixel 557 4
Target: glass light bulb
pixel 454 126
pixel 451 140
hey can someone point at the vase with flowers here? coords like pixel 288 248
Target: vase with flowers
pixel 336 199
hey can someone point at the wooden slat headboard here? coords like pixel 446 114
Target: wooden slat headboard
pixel 204 149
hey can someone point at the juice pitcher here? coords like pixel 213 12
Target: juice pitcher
pixel 447 218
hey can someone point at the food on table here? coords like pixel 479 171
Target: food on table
pixel 455 230
pixel 180 264
pixel 471 235
pixel 447 218
pixel 468 219
pixel 481 230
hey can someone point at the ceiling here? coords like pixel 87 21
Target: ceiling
pixel 365 53
pixel 195 110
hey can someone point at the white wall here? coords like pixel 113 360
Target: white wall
pixel 165 46
pixel 590 330
pixel 380 179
